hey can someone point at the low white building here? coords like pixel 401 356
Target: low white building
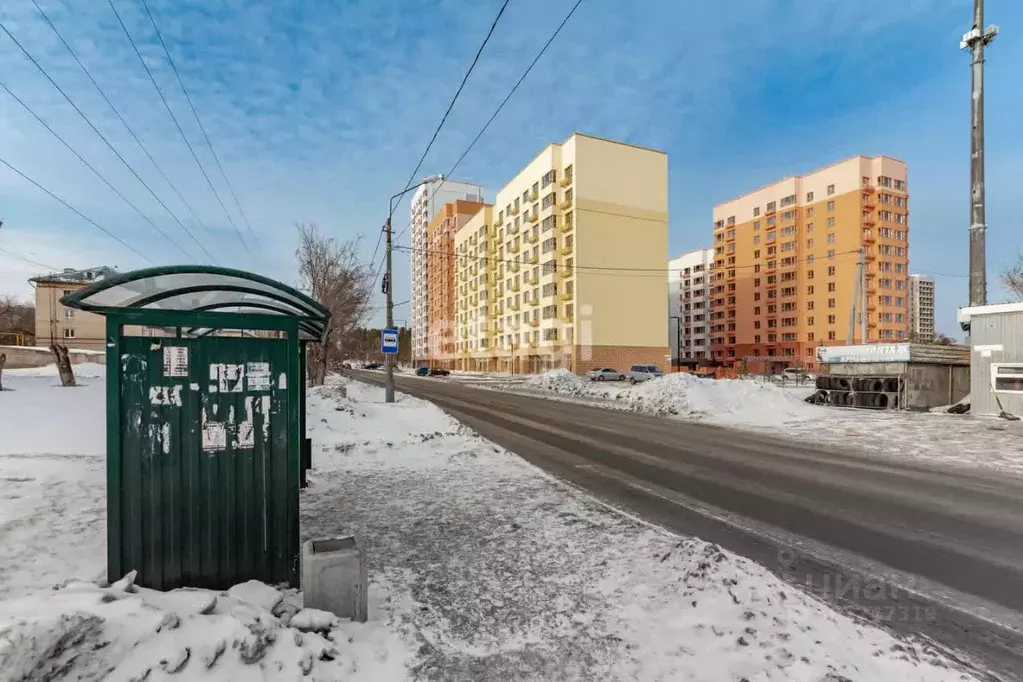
pixel 689 306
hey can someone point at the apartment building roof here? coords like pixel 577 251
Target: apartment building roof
pixel 72 276
pixel 803 175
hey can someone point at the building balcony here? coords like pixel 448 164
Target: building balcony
pixel 868 239
pixel 533 217
pixel 514 305
pixel 868 221
pixel 530 238
pixel 868 189
pixel 565 250
pixel 566 226
pixel 499 221
pixel 514 287
pixel 566 295
pixel 534 323
pixel 869 206
pixel 566 181
pixel 514 210
pixel 870 257
pixel 531 300
pixel 565 205
pixel 565 272
pixel 532 279
pixel 514 266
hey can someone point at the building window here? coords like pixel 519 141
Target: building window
pixel 756 211
pixel 809 197
pixel 69 333
pixel 831 190
pixel 831 205
pixel 831 303
pixel 69 313
pixel 831 222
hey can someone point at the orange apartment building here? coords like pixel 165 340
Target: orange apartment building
pixel 786 264
pixel 440 306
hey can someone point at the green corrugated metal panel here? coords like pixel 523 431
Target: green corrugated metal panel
pixel 203 478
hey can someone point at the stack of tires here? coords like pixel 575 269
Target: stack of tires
pixel 877 393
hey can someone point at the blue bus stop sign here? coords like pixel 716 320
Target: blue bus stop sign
pixel 389 341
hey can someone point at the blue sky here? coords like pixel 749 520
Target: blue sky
pixel 319 109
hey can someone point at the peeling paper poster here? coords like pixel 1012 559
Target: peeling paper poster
pixel 258 376
pixel 230 378
pixel 175 361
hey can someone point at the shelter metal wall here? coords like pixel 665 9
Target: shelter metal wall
pixel 1002 335
pixel 203 481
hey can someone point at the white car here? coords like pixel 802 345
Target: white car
pixel 605 374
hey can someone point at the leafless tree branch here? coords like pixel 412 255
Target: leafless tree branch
pixel 333 274
pixel 1013 279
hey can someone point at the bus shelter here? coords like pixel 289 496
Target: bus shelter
pixel 205 423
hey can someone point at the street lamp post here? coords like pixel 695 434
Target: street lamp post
pixel 678 340
pixel 389 281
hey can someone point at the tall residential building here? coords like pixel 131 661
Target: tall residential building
pixel 426 202
pixel 921 308
pixel 440 282
pixel 564 269
pixel 689 283
pixel 786 264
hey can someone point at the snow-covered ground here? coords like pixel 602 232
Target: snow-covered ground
pixel 960 440
pixel 481 567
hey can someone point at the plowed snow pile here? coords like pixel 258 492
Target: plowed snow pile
pixel 684 395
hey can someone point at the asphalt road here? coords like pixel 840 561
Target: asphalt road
pixel 928 551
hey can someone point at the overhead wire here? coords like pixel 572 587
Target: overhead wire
pixel 177 125
pixel 500 106
pixel 91 167
pixel 25 259
pixel 443 120
pixel 105 141
pixel 202 128
pixel 78 213
pixel 614 270
pixel 121 118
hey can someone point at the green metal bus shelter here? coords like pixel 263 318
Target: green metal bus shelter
pixel 205 423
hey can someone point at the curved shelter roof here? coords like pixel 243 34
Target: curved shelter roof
pixel 201 289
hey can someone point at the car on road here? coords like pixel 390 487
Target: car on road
pixel 431 372
pixel 640 373
pixel 373 365
pixel 605 374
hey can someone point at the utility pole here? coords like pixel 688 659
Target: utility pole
pixel 863 294
pixel 389 287
pixel 859 296
pixel 975 40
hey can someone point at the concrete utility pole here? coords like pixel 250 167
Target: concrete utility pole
pixel 858 301
pixel 389 281
pixel 975 40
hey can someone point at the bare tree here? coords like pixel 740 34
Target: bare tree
pixel 333 274
pixel 1013 279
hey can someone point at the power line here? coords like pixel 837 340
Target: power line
pixel 15 255
pixel 623 271
pixel 202 128
pixel 117 113
pixel 79 213
pixel 90 167
pixel 497 111
pixel 458 92
pixel 178 125
pixel 106 142
pixel 443 119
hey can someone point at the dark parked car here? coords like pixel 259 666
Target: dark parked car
pixel 438 372
pixel 373 365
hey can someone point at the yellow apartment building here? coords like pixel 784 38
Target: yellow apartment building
pixel 786 264
pixel 567 268
pixel 58 324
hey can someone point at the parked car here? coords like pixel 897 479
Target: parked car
pixel 438 372
pixel 797 374
pixel 373 365
pixel 605 374
pixel 640 373
pixel 422 371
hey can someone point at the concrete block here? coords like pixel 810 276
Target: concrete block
pixel 334 578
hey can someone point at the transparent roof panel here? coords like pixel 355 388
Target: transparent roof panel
pixel 193 288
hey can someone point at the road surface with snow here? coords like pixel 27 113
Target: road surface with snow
pixel 947 543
